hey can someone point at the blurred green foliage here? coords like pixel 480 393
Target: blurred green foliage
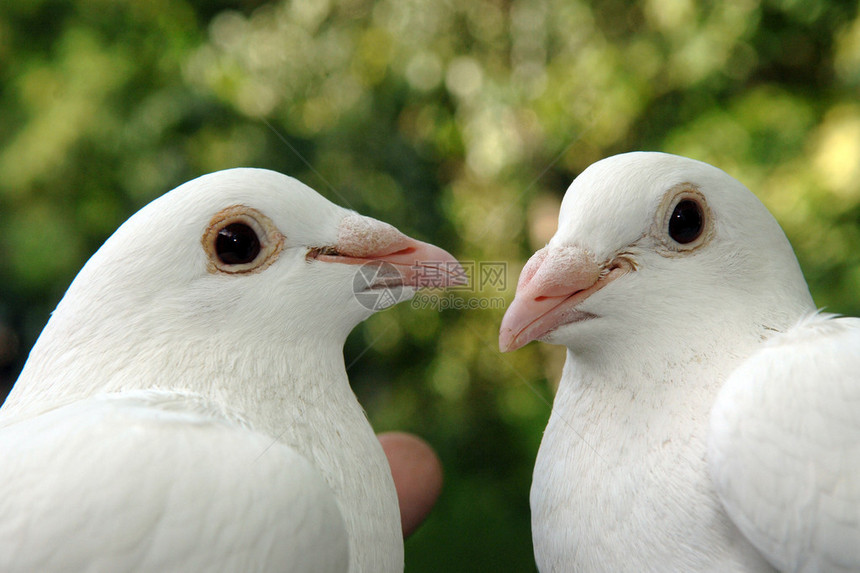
pixel 461 124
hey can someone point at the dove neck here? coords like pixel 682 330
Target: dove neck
pixel 312 408
pixel 620 444
pixel 73 360
pixel 631 426
pixel 286 392
pixel 649 367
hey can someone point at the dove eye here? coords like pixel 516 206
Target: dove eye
pixel 240 239
pixel 684 221
pixel 687 221
pixel 237 244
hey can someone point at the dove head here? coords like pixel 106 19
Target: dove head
pixel 235 262
pixel 656 252
pixel 254 249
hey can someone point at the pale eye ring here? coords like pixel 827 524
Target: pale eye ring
pixel 241 239
pixel 684 221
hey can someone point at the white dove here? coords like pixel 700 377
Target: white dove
pixel 187 408
pixel 707 418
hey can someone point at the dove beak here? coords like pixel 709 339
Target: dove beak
pixel 553 283
pixel 364 240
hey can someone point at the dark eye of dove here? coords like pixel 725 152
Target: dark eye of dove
pixel 684 222
pixel 687 221
pixel 237 244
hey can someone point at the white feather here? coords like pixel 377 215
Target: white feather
pixel 785 446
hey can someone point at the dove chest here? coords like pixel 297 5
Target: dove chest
pixel 623 484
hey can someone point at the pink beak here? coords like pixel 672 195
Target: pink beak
pixel 362 240
pixel 552 285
